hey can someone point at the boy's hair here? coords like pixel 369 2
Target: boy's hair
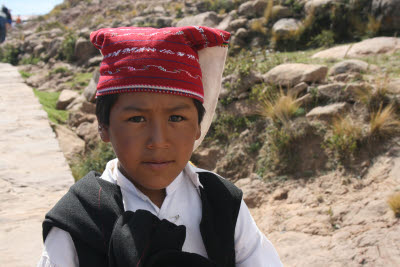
pixel 104 104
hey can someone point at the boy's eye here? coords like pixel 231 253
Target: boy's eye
pixel 137 119
pixel 175 118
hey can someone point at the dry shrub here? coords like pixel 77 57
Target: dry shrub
pixel 280 108
pixel 384 122
pixel 394 204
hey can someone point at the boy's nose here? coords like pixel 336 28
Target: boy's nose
pixel 158 137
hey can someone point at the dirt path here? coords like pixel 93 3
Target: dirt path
pixel 33 170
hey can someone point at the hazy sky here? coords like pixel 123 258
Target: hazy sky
pixel 30 7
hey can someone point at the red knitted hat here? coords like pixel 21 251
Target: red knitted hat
pixel 154 60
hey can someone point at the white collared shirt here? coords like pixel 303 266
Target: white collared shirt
pixel 181 206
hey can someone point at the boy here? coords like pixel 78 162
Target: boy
pixel 156 97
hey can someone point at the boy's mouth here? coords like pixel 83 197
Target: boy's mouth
pixel 158 164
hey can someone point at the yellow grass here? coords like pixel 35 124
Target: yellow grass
pixel 394 204
pixel 280 108
pixel 268 10
pixel 384 122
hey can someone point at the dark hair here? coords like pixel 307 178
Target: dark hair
pixel 106 102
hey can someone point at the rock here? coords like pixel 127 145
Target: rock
pixel 208 19
pixel 38 50
pixel 259 7
pixel 280 194
pixel 84 49
pixel 286 28
pixel 305 100
pixel 331 91
pixel 317 6
pixel 254 190
pixel 76 118
pixel 90 90
pixel 54 47
pixel 294 73
pixel 327 112
pixel 95 61
pixel 70 144
pixel 207 158
pixel 351 65
pixel 279 12
pixel 393 86
pixel 65 98
pixel 76 104
pixel 89 132
pixel 387 12
pixel 37 79
pixel 374 46
pixel 298 89
pixel 236 24
pixel 347 77
pixel 225 23
pixel 241 33
pixel 88 107
pixel 246 9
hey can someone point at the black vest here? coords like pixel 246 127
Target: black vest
pixel 92 207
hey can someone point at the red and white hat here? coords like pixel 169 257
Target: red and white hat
pixel 186 61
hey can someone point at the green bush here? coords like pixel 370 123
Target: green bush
pixel 68 47
pixel 25 74
pixel 9 54
pixel 95 160
pixel 48 101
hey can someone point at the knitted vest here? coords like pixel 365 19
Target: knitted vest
pixel 92 206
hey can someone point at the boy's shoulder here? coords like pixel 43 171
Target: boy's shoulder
pixel 212 181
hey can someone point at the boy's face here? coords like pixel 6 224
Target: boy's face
pixel 153 136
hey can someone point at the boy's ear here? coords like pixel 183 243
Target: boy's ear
pixel 198 134
pixel 103 131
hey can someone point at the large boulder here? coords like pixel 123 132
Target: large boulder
pixel 286 28
pixel 70 144
pixel 89 132
pixel 351 65
pixel 374 46
pixel 246 9
pixel 291 74
pixel 209 19
pixel 393 86
pixel 90 90
pixel 66 97
pixel 327 112
pixel 317 6
pixel 387 12
pixel 253 8
pixel 84 50
pixel 279 12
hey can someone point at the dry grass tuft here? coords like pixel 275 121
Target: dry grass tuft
pixel 374 96
pixel 384 122
pixel 345 137
pixel 280 108
pixel 394 204
pixel 268 10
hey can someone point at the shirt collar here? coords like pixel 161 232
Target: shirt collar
pixel 113 175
